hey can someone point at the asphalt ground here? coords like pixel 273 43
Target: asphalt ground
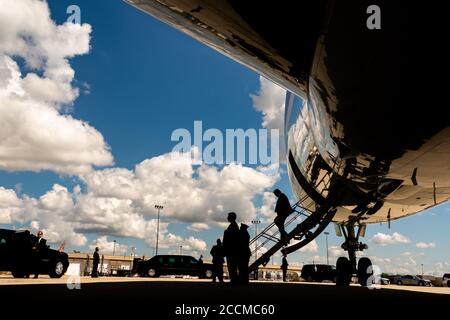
pixel 175 298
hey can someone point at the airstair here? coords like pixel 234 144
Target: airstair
pixel 315 221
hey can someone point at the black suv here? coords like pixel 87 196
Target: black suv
pixel 172 265
pixel 17 255
pixel 318 272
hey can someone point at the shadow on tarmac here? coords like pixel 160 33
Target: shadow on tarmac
pixel 164 297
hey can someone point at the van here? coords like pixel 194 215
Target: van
pixel 318 272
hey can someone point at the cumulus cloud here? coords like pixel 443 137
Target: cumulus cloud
pixel 189 244
pixel 386 239
pixel 425 245
pixel 36 133
pixel 336 252
pixel 270 101
pixel 380 261
pixel 268 206
pixel 52 213
pixel 120 202
pixel 189 193
pixel 108 247
pixel 311 247
pixel 198 226
pixel 413 254
pixel 10 205
pixel 440 268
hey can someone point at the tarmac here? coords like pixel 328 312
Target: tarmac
pixel 167 296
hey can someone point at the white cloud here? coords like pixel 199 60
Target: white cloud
pixel 8 198
pixel 386 239
pixel 35 133
pixel 268 206
pixel 380 261
pixel 189 244
pixel 120 202
pixel 440 268
pixel 336 252
pixel 412 254
pixel 198 226
pixel 311 247
pixel 108 247
pixel 425 245
pixel 53 213
pixel 270 101
pixel 9 205
pixel 189 194
pixel 317 260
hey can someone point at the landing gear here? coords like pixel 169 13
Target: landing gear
pixel 347 267
pixel 343 271
pixel 365 271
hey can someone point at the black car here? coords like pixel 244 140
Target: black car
pixel 172 265
pixel 18 257
pixel 318 272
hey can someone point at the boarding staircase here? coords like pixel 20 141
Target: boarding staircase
pixel 316 220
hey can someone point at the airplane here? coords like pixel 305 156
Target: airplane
pixel 361 146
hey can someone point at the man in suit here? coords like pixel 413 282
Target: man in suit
pixel 283 209
pixel 95 262
pixel 218 261
pixel 39 246
pixel 231 247
pixel 244 253
pixel 284 266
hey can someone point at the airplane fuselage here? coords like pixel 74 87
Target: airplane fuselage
pixel 359 138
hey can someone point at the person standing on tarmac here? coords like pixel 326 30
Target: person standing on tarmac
pixel 231 247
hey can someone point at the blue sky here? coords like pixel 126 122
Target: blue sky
pixel 140 81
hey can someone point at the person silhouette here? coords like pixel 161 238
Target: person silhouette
pixel 200 260
pixel 231 247
pixel 284 266
pixel 95 262
pixel 39 246
pixel 244 253
pixel 283 209
pixel 218 261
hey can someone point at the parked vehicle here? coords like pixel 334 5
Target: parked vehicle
pixel 18 257
pixel 172 265
pixel 446 280
pixel 318 272
pixel 409 280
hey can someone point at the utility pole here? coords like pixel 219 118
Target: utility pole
pixel 181 248
pixel 326 240
pixel 133 256
pixel 158 207
pixel 114 247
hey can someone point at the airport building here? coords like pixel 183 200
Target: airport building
pixel 119 265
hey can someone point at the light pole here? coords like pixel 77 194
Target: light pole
pixel 158 207
pixel 181 248
pixel 422 269
pixel 256 222
pixel 326 240
pixel 114 247
pixel 133 255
